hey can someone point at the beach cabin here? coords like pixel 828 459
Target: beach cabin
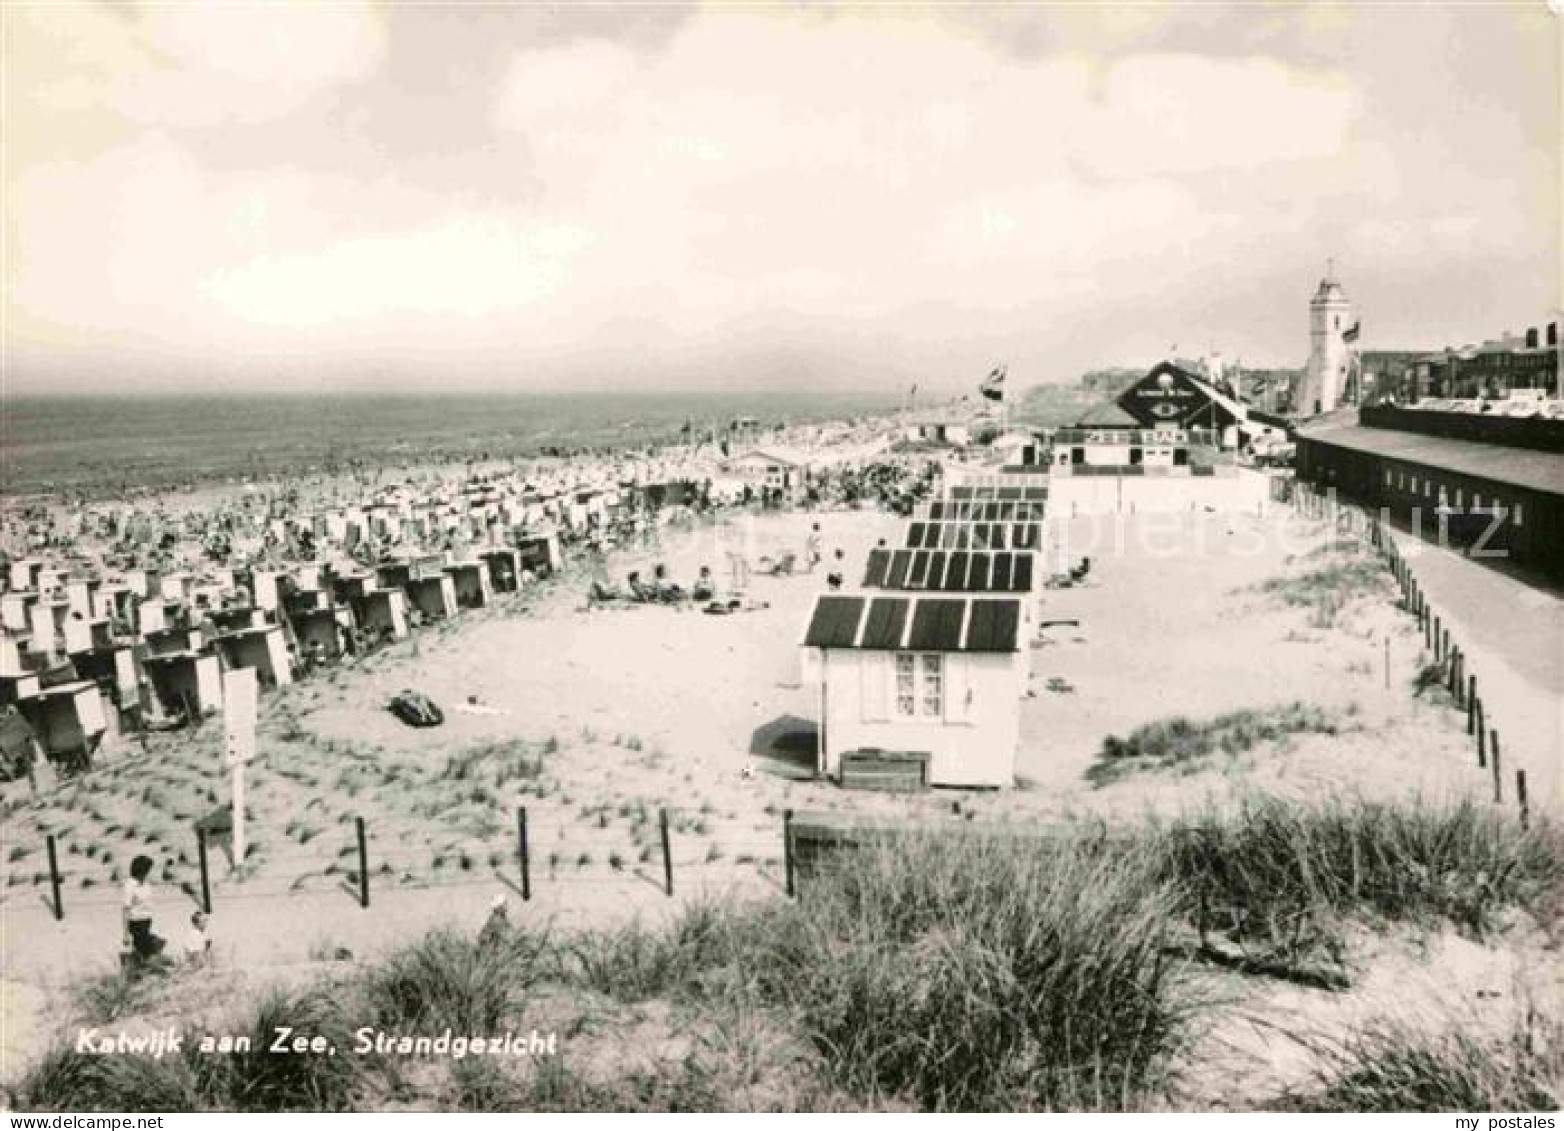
pixel 769 471
pixel 82 635
pixel 16 611
pixel 540 553
pixel 175 586
pixel 470 584
pixel 24 572
pixel 68 720
pixel 432 594
pixel 135 580
pixel 46 621
pixel 81 594
pixel 393 574
pixel 188 682
pixel 1021 447
pixel 941 677
pixel 504 568
pixel 955 434
pixel 263 649
pixel 156 615
pixel 265 590
pixel 322 631
pixel 19 668
pixel 113 669
pixel 167 641
pixel 11 661
pixel 237 618
pixel 383 613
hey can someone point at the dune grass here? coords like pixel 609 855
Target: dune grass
pixel 1279 881
pixel 1327 589
pixel 959 971
pixel 1178 743
pixel 446 979
pixel 1393 1066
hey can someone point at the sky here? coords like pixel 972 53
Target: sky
pixel 413 197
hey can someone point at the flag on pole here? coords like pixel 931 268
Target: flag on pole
pixel 993 386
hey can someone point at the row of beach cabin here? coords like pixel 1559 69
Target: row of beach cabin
pixel 91 649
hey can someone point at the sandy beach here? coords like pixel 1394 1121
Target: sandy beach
pixel 619 713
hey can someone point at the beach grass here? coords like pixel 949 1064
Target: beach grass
pixel 1181 743
pixel 967 970
pixel 1394 1066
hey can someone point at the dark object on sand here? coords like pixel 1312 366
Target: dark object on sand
pixel 416 709
pixel 17 752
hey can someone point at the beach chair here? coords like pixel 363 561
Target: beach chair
pixel 780 567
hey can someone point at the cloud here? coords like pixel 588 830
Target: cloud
pixel 176 65
pixel 561 83
pixel 1186 114
pixel 466 266
pixel 888 190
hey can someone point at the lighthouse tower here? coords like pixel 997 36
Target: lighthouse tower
pixel 1330 316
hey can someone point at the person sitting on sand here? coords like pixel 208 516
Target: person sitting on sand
pixel 496 929
pixel 639 590
pixel 196 947
pixel 705 588
pixel 812 547
pixel 665 589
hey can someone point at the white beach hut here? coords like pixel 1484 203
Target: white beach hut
pixel 938 676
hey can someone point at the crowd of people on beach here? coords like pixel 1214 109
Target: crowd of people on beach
pixel 151 575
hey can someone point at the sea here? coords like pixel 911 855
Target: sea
pixel 113 444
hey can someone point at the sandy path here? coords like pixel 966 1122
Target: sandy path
pixel 1513 637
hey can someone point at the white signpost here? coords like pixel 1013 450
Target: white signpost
pixel 239 713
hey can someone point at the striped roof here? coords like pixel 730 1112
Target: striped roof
pixel 928 624
pixel 954 571
pixel 970 510
pixel 925 535
pixel 963 492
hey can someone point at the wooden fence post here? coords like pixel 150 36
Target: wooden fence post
pixel 1482 738
pixel 363 863
pixel 1471 704
pixel 523 853
pixel 662 828
pixel 206 876
pixel 787 849
pixel 1498 780
pixel 54 879
pixel 1520 796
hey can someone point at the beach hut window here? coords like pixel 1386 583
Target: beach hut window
pixel 920 685
pixel 906 685
pixel 933 685
pixel 1517 514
